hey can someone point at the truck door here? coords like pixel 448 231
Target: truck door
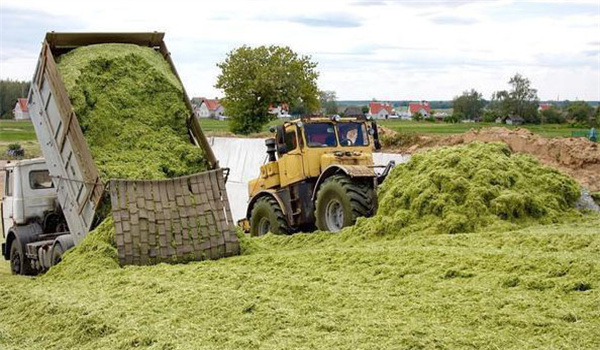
pixel 7 202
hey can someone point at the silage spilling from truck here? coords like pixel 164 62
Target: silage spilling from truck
pixel 121 143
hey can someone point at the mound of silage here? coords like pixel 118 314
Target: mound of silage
pixel 95 253
pixel 130 107
pixel 470 188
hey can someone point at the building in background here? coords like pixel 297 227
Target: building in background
pixel 21 112
pixel 380 110
pixel 421 108
pixel 207 108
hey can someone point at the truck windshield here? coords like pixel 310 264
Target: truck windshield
pixel 353 134
pixel 320 135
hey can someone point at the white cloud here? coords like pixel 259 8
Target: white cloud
pixel 388 49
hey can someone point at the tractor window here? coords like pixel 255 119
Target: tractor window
pixel 40 179
pixel 290 140
pixel 320 135
pixel 353 134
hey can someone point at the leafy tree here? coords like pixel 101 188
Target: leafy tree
pixel 254 79
pixel 328 100
pixel 552 115
pixel 581 112
pixel 469 104
pixel 524 98
pixel 597 115
pixel 365 109
pixel 10 91
pixel 521 100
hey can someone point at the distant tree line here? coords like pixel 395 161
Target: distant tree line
pixel 10 91
pixel 522 101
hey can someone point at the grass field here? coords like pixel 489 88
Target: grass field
pixel 12 131
pixel 536 288
pixel 547 130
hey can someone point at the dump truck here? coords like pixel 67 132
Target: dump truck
pixel 320 172
pixel 52 203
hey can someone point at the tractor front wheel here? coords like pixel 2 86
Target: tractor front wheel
pixel 341 200
pixel 266 217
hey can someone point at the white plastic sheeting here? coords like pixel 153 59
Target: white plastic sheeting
pixel 245 156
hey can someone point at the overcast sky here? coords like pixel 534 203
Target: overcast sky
pixel 389 50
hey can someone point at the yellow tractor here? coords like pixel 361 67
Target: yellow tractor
pixel 319 172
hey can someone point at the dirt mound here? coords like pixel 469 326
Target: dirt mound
pixel 578 157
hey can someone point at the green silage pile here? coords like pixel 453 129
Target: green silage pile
pixel 96 253
pixel 468 189
pixel 130 107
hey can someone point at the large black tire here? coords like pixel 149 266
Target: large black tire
pixel 19 263
pixel 266 217
pixel 341 200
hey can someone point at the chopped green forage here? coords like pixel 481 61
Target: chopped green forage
pixel 130 107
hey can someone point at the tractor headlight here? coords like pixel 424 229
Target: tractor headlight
pixel 299 124
pixel 336 118
pixel 372 131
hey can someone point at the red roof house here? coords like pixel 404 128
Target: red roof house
pixel 380 109
pixel 210 108
pixel 422 108
pixel 21 112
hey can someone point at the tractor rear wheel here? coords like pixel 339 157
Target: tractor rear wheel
pixel 341 200
pixel 266 217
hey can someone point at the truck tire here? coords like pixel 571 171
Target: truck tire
pixel 19 263
pixel 266 217
pixel 340 200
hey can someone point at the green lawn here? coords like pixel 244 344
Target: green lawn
pixel 21 132
pixel 548 130
pixel 12 130
pixel 535 288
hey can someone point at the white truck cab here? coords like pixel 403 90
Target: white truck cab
pixel 28 192
pixel 31 218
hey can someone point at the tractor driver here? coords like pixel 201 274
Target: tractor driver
pixel 349 134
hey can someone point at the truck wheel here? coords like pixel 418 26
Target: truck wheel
pixel 266 217
pixel 57 253
pixel 341 200
pixel 19 264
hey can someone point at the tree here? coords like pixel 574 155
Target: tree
pixel 552 115
pixel 524 98
pixel 10 91
pixel 328 100
pixel 521 100
pixel 581 112
pixel 468 105
pixel 255 79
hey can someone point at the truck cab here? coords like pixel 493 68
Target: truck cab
pixel 31 218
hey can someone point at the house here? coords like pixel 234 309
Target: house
pixel 403 113
pixel 380 110
pixel 421 108
pixel 282 111
pixel 514 120
pixel 210 109
pixel 353 112
pixel 21 112
pixel 440 115
pixel 544 106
